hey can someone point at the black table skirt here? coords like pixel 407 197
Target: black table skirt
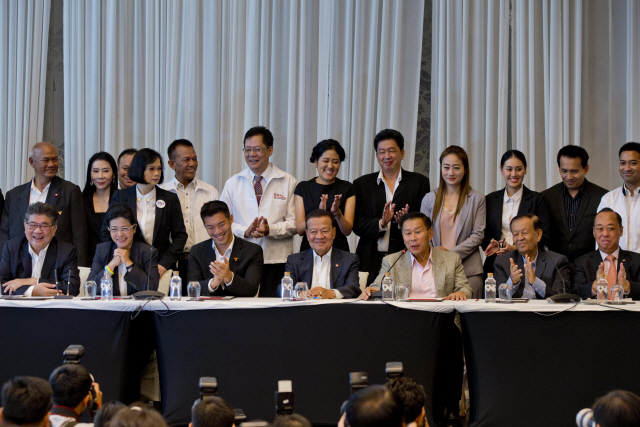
pixel 529 370
pixel 32 341
pixel 249 350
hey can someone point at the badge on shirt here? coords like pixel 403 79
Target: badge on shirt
pixel 160 204
pixel 279 196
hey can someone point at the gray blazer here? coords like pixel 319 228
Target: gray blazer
pixel 448 272
pixel 471 225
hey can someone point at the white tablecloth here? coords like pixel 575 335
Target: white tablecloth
pixel 540 306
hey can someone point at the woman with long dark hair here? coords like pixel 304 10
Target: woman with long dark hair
pixel 99 188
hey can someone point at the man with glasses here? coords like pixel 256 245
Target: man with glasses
pixel 261 200
pixel 46 187
pixel 31 263
pixel 382 198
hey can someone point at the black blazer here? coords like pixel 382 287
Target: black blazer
pixel 586 269
pixel 94 223
pixel 61 258
pixel 531 202
pixel 246 264
pixel 545 270
pixel 370 201
pixel 67 199
pixel 580 240
pixel 344 270
pixel 144 270
pixel 169 233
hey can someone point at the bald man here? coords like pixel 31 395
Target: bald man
pixel 49 188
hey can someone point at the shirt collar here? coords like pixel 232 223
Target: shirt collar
pixel 35 189
pixel 151 195
pixel 516 197
pixel 381 176
pixel 565 191
pixel 627 192
pixel 229 249
pixel 430 260
pixel 266 174
pixel 42 252
pixel 533 261
pixel 615 253
pixel 317 257
pixel 177 184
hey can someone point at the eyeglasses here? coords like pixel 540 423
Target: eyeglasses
pixel 253 150
pixel 123 229
pixel 33 226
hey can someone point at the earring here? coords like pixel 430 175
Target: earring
pixel 92 183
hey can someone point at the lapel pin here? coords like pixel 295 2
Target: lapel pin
pixel 337 265
pixel 235 258
pixel 59 212
pixel 160 204
pixel 56 195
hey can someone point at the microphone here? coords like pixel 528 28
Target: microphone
pixel 564 297
pixel 151 249
pixel 378 294
pixel 57 295
pixel 147 294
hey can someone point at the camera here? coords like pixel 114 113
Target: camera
pixel 358 380
pixel 284 398
pixel 394 370
pixel 208 387
pixel 72 355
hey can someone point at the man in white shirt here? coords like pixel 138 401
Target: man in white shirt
pixel 329 272
pixel 73 393
pixel 124 160
pixel 625 200
pixel 261 200
pixel 193 194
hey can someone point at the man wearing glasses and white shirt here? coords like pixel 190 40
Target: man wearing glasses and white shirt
pixel 261 200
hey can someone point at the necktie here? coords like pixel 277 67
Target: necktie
pixel 612 277
pixel 257 187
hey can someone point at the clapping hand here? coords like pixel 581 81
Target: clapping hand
pixel 516 273
pixel 387 214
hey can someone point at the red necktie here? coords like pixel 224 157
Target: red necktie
pixel 257 187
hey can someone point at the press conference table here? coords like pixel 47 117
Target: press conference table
pixel 524 368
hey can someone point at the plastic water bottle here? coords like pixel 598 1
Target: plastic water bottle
pixel 601 289
pixel 387 287
pixel 490 288
pixel 106 287
pixel 287 287
pixel 175 287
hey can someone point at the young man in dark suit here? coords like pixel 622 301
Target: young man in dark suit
pixel 224 264
pixel 329 272
pixel 382 199
pixel 30 262
pixel 48 188
pixel 574 204
pixel 607 230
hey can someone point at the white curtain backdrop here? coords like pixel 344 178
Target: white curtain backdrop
pixel 24 31
pixel 140 74
pixel 574 80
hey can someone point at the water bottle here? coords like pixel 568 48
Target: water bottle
pixel 175 287
pixel 287 287
pixel 106 287
pixel 601 289
pixel 490 288
pixel 387 287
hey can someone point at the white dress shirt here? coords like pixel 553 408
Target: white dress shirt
pixel 277 206
pixel 510 207
pixel 36 266
pixel 146 207
pixel 322 273
pixel 192 198
pixel 36 195
pixel 383 242
pixel 220 258
pixel 627 205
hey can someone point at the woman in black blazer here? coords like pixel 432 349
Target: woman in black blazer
pixel 157 211
pixel 133 264
pixel 517 200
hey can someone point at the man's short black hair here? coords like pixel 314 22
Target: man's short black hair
pixel 618 217
pixel 532 217
pixel 319 213
pixel 70 384
pixel 175 144
pixel 617 408
pixel 126 152
pixel 267 136
pixel 139 164
pixel 39 208
pixel 25 400
pixel 107 412
pixel 214 207
pixel 412 395
pixel 293 420
pixel 629 146
pixel 388 134
pixel 416 215
pixel 573 152
pixel 374 406
pixel 212 411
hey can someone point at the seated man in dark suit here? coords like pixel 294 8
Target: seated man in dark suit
pixel 328 271
pixel 224 264
pixel 30 263
pixel 607 230
pixel 532 273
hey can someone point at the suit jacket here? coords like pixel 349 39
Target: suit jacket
pixel 66 198
pixel 344 270
pixel 545 270
pixel 246 263
pixel 471 224
pixel 169 233
pixel 586 269
pixel 370 201
pixel 144 270
pixel 61 257
pixel 448 272
pixel 580 240
pixel 531 202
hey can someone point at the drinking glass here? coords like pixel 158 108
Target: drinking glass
pixel 193 291
pixel 402 292
pixel 90 289
pixel 301 291
pixel 505 292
